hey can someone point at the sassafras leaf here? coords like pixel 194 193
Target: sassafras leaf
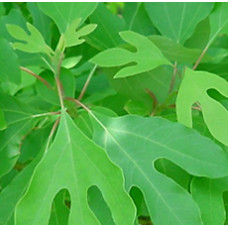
pixel 146 58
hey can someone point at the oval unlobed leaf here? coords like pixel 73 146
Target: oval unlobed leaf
pixel 75 163
pixel 151 139
pixel 194 87
pixel 177 20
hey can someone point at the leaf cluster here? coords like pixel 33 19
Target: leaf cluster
pixel 113 113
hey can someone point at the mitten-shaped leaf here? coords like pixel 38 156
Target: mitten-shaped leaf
pixel 32 43
pixel 135 143
pixel 146 58
pixel 193 89
pixel 208 193
pixel 75 163
pixel 73 37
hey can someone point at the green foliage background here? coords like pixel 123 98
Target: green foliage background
pixel 113 113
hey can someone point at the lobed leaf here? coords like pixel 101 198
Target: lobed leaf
pixel 73 37
pixel 146 58
pixel 151 139
pixel 193 89
pixel 33 42
pixel 75 163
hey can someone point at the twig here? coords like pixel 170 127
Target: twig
pixel 79 103
pixel 173 77
pixel 193 107
pixel 155 101
pixel 58 83
pixel 36 76
pixel 87 83
pixel 200 57
pixel 46 114
pixel 51 134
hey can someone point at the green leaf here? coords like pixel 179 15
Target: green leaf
pixel 2 9
pixel 78 164
pixel 15 17
pixel 218 20
pixel 40 21
pixel 19 118
pixel 64 13
pixel 134 13
pixel 73 37
pixel 10 71
pixel 109 25
pixel 51 95
pixel 60 212
pixel 136 107
pixel 11 194
pixel 208 194
pixel 3 124
pixel 177 52
pixel 193 89
pixel 151 139
pixel 71 62
pixel 177 20
pixel 146 58
pixel 33 42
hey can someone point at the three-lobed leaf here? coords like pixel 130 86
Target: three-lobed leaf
pixel 146 58
pixel 75 163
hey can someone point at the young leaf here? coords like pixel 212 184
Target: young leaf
pixel 193 89
pixel 9 66
pixel 78 164
pixel 208 194
pixel 146 58
pixel 32 43
pixel 178 20
pixel 151 139
pixel 73 37
pixel 64 13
